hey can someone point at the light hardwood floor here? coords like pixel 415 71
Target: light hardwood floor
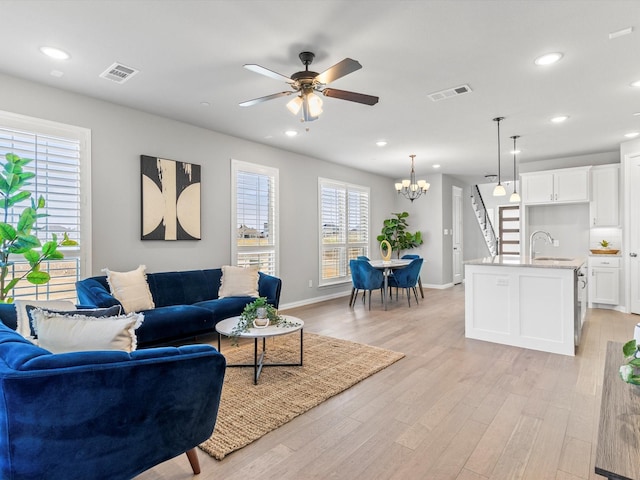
pixel 453 408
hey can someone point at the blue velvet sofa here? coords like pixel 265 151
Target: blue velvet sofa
pixel 187 303
pixel 102 414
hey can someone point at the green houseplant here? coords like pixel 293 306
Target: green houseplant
pixel 19 239
pixel 259 308
pixel 628 372
pixel 394 231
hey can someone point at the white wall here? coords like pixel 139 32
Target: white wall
pixel 120 135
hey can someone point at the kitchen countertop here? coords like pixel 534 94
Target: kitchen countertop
pixel 524 261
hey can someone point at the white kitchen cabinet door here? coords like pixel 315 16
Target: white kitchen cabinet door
pixel 537 188
pixel 571 185
pixel 604 285
pixel 604 207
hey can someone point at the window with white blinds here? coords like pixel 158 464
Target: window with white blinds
pixel 255 212
pixel 57 153
pixel 344 228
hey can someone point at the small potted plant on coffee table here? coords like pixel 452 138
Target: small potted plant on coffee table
pixel 258 314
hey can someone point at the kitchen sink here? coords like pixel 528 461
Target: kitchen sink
pixel 555 259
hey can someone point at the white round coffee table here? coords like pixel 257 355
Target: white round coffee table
pixel 225 327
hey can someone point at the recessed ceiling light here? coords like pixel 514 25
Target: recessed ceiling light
pixel 56 53
pixel 559 118
pixel 632 134
pixel 636 114
pixel 56 73
pixel 205 104
pixel 548 58
pixel 381 143
pixel 514 152
pixel 636 83
pixel 436 166
pixel 291 133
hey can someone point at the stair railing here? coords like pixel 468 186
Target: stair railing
pixel 485 222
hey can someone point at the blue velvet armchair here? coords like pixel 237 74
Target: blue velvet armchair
pixel 407 278
pixel 103 414
pixel 366 278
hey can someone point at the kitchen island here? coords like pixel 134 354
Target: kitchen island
pixel 517 301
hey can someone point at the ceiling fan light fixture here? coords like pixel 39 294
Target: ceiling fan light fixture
pixel 315 104
pixel 294 105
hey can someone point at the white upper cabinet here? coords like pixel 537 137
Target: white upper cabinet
pixel 605 186
pixel 567 185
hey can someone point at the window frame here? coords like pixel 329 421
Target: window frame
pixel 257 169
pixel 346 245
pixel 38 126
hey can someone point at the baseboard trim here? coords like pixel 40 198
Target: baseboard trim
pixel 438 287
pixel 311 301
pixel 323 298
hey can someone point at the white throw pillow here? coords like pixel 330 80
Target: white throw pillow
pixel 61 333
pixel 131 289
pixel 238 282
pixel 23 320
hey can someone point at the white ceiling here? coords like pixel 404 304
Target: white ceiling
pixel 189 52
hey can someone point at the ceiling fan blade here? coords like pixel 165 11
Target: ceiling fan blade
pixel 248 103
pixel 266 72
pixel 339 70
pixel 350 96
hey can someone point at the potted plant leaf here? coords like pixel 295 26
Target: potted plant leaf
pixel 394 231
pixel 19 239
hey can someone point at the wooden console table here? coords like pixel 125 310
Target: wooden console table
pixel 618 450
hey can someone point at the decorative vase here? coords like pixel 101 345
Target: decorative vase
pixel 385 246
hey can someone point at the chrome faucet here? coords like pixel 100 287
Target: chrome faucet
pixel 548 238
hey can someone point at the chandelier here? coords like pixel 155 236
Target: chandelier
pixel 410 188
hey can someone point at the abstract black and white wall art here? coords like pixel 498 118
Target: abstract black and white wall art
pixel 170 199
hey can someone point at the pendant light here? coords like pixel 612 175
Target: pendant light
pixel 514 196
pixel 499 191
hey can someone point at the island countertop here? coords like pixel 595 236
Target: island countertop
pixel 524 261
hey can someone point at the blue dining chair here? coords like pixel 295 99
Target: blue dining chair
pixel 366 278
pixel 362 257
pixel 411 257
pixel 407 278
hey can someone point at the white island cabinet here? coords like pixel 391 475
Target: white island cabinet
pixel 524 303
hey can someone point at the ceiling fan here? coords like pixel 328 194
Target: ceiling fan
pixel 306 83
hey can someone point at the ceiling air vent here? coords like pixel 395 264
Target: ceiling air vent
pixel 449 92
pixel 118 73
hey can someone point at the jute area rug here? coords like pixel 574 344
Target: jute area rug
pixel 249 411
